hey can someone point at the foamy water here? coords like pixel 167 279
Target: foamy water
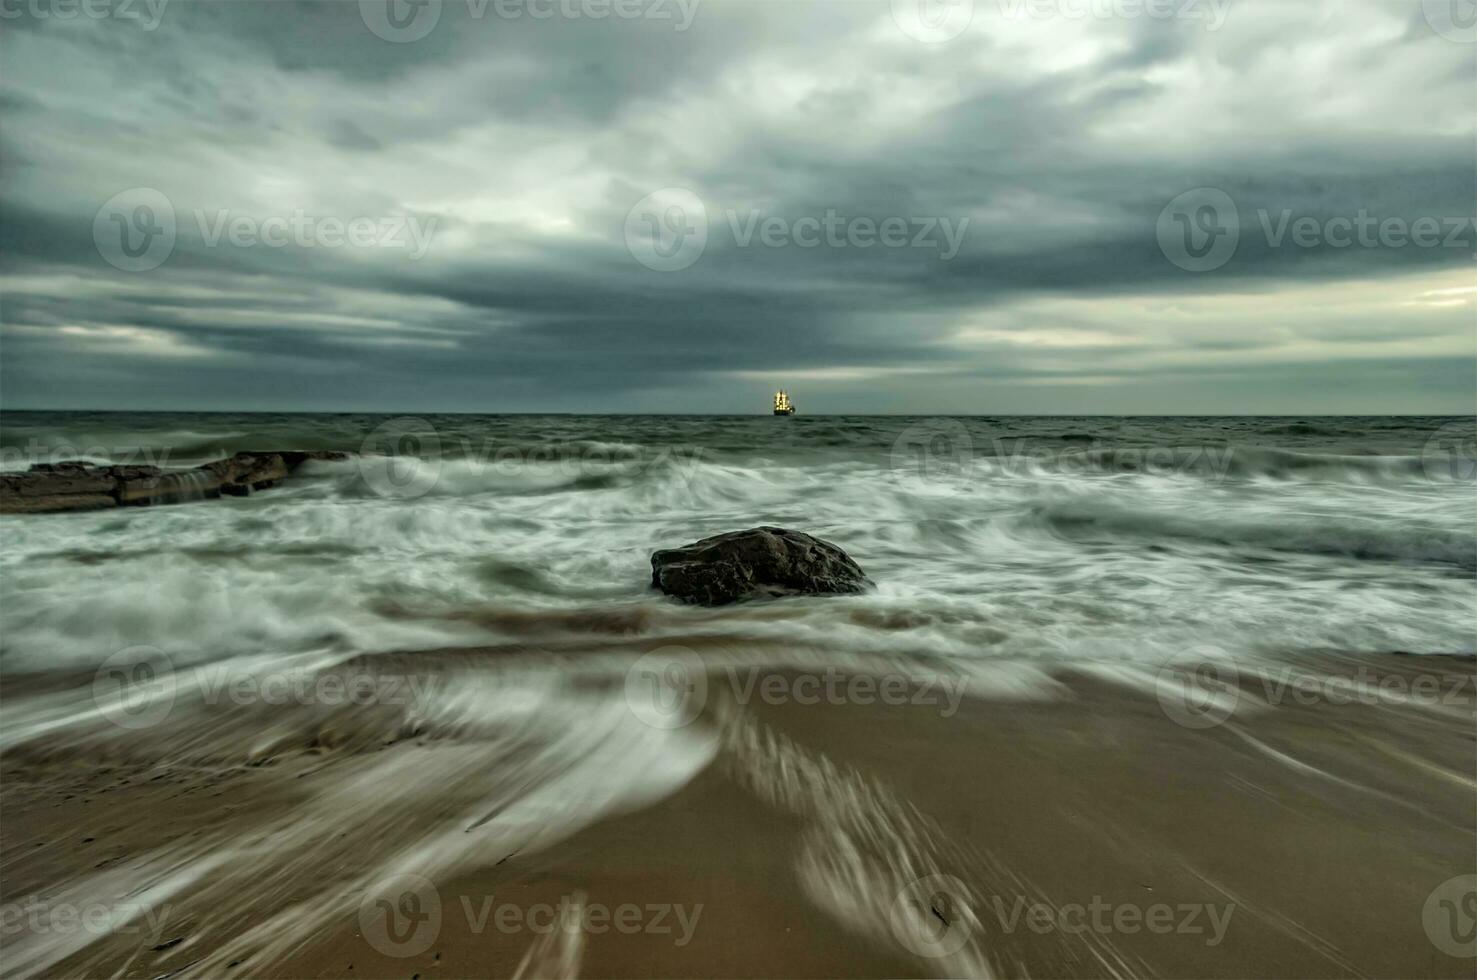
pixel 1050 538
pixel 1002 549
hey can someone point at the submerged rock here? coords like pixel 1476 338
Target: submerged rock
pixel 73 485
pixel 762 562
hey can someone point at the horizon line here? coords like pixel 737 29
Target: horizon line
pixel 878 415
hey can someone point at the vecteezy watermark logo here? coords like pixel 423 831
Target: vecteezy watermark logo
pixel 931 916
pixel 1450 916
pixel 147 13
pixel 222 684
pixel 1202 688
pixel 678 12
pixel 1451 452
pixel 42 916
pixel 667 688
pixel 1198 688
pixel 134 231
pixel 667 230
pixel 1199 230
pixel 834 230
pixel 401 458
pixel 1210 12
pixel 936 916
pixel 135 687
pixel 401 916
pixel 299 229
pixel 1100 916
pixel 1364 230
pixel 404 457
pixel 48 453
pixel 574 915
pixel 400 21
pixel 933 457
pixel 933 21
pixel 1452 19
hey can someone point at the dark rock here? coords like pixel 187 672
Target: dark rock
pixel 58 478
pixel 76 485
pixel 151 485
pixel 36 503
pixel 50 487
pixel 763 562
pixel 254 471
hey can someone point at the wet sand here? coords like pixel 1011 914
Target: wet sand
pixel 1085 833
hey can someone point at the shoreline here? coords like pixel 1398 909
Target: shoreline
pixel 1323 827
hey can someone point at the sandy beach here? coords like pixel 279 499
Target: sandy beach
pixel 1085 830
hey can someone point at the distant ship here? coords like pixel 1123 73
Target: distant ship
pixel 782 404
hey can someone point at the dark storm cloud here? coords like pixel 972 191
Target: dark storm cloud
pixel 492 165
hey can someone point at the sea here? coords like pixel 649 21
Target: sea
pixel 479 590
pixel 990 539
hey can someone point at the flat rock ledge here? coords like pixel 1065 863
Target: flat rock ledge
pixel 53 487
pixel 760 563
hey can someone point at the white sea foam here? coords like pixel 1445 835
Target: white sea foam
pixel 1002 559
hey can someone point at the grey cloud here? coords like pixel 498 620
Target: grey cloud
pixel 528 142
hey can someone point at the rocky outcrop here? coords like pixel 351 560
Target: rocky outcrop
pixel 52 487
pixel 763 562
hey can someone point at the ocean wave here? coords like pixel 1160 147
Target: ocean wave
pixel 1302 429
pixel 22 446
pixel 1053 554
pixel 1286 464
pixel 1350 537
pixel 1208 462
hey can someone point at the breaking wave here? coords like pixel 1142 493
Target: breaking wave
pixel 1049 538
pixel 1348 536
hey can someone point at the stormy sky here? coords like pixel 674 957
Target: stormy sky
pixel 997 206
